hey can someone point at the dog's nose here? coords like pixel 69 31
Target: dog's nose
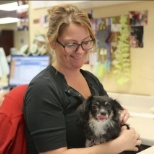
pixel 103 113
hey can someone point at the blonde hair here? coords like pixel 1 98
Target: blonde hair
pixel 61 16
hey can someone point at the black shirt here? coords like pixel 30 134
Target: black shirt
pixel 50 111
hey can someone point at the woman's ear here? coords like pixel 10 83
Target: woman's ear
pixel 51 44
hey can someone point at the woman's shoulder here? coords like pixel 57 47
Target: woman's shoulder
pixel 46 76
pixel 91 78
pixel 89 75
pixel 47 79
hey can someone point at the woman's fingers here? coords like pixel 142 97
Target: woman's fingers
pixel 138 140
pixel 124 115
pixel 131 137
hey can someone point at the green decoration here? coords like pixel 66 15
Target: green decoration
pixel 113 19
pixel 121 63
pixel 99 70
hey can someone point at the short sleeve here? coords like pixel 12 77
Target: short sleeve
pixel 44 116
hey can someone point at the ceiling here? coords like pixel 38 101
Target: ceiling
pixel 81 4
pixel 7 1
pixel 92 4
pixel 4 14
pixel 7 13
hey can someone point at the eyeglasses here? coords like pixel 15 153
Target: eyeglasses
pixel 73 47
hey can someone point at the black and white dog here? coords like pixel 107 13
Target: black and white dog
pixel 100 119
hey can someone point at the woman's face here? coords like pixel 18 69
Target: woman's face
pixel 73 34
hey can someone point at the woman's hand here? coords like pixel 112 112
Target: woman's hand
pixel 124 115
pixel 130 139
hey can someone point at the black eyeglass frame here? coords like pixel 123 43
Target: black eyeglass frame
pixel 78 45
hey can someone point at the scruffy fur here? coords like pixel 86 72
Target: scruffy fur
pixel 100 119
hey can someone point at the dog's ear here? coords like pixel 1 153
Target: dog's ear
pixel 83 110
pixel 117 105
pixel 116 108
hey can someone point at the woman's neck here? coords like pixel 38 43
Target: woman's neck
pixel 68 73
pixel 75 79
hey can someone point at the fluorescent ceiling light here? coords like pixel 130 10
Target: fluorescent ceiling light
pixel 8 20
pixel 12 6
pixel 9 6
pixel 23 7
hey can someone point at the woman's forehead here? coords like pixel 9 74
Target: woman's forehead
pixel 75 31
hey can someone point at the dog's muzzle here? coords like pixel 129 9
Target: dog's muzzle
pixel 102 116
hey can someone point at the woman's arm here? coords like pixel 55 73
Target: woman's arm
pixel 127 140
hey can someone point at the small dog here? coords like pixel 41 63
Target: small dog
pixel 100 119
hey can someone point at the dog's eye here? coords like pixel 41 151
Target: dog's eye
pixel 94 107
pixel 97 103
pixel 108 105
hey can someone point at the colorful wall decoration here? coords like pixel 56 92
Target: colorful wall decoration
pixel 113 53
pixel 121 55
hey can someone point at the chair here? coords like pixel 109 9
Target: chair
pixel 12 135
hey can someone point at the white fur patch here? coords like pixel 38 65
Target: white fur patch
pixel 98 126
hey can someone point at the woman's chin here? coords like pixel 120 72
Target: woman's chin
pixel 78 66
pixel 78 61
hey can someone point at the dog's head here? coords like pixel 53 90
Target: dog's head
pixel 99 108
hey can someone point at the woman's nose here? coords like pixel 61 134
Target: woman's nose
pixel 79 49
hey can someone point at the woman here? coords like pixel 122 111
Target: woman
pixel 54 94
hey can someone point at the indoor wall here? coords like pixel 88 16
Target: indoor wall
pixel 142 65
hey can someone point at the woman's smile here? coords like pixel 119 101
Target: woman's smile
pixel 77 57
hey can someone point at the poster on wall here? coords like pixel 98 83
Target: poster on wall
pixel 136 37
pixel 113 50
pixel 138 19
pixel 101 58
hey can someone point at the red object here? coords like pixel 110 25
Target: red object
pixel 12 135
pixel 102 117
